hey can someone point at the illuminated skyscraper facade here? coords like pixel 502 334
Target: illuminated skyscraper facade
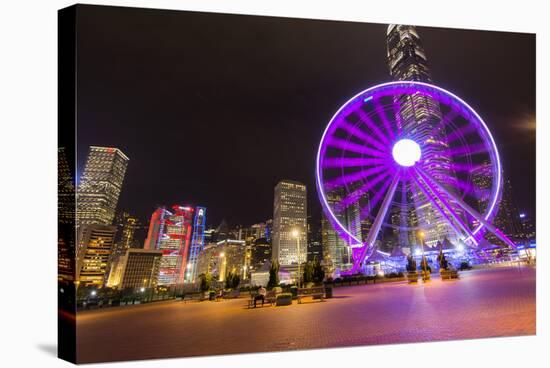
pixel 289 218
pixel 335 248
pixel 420 114
pixel 100 186
pixel 508 218
pixel 197 244
pixel 66 209
pixel 94 252
pixel 127 226
pixel 136 269
pixel 170 232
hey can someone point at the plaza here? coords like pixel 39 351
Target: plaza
pixel 491 302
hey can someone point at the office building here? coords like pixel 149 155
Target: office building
pixel 197 244
pixel 94 253
pixel 420 114
pixel 170 232
pixel 100 186
pixel 290 223
pixel 136 269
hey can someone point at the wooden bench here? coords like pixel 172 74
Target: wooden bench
pixel 315 292
pixel 270 298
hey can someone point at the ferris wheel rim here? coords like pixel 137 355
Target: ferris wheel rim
pixel 493 147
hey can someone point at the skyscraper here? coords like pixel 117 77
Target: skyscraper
pixel 508 218
pixel 420 114
pixel 94 252
pixel 136 269
pixel 197 243
pixel 482 179
pixel 334 246
pixel 100 185
pixel 66 209
pixel 290 223
pixel 170 232
pixel 127 226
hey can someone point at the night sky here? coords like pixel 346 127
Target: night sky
pixel 215 109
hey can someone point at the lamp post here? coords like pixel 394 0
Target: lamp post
pixel 423 261
pixel 296 234
pixel 223 266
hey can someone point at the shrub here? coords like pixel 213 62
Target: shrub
pixel 411 263
pixel 284 299
pixel 205 281
pixel 273 275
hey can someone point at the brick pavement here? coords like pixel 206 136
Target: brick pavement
pixel 484 303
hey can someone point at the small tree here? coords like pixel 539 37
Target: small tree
pixel 318 271
pixel 411 263
pixel 229 280
pixel 308 272
pixel 424 264
pixel 443 264
pixel 236 281
pixel 232 280
pixel 205 281
pixel 273 275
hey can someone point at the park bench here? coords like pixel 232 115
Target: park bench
pixel 448 274
pixel 315 292
pixel 270 299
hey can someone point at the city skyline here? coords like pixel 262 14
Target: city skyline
pixel 175 122
pixel 321 183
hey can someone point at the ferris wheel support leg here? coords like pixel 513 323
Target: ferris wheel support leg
pixel 377 224
pixel 471 211
pixel 447 206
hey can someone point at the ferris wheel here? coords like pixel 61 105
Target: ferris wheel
pixel 400 152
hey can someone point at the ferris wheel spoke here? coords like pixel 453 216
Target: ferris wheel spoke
pixel 463 167
pixel 465 187
pixel 349 199
pixel 461 132
pixel 382 115
pixel 377 224
pixel 377 197
pixel 470 210
pixel 373 127
pixel 340 162
pixel 357 132
pixel 346 145
pixel 446 120
pixel 403 216
pixel 420 182
pixel 465 150
pixel 352 178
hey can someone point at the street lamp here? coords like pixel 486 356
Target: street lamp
pixel 296 234
pixel 223 265
pixel 423 261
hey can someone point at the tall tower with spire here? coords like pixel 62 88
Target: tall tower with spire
pixel 420 115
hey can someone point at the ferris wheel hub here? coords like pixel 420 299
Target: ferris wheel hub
pixel 406 152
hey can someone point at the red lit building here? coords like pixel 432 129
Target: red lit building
pixel 170 232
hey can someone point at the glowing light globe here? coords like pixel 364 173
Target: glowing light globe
pixel 406 152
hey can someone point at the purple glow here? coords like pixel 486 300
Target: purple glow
pixel 365 170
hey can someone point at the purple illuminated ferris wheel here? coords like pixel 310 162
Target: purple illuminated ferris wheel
pixel 405 157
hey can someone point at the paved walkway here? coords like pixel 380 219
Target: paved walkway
pixel 484 303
